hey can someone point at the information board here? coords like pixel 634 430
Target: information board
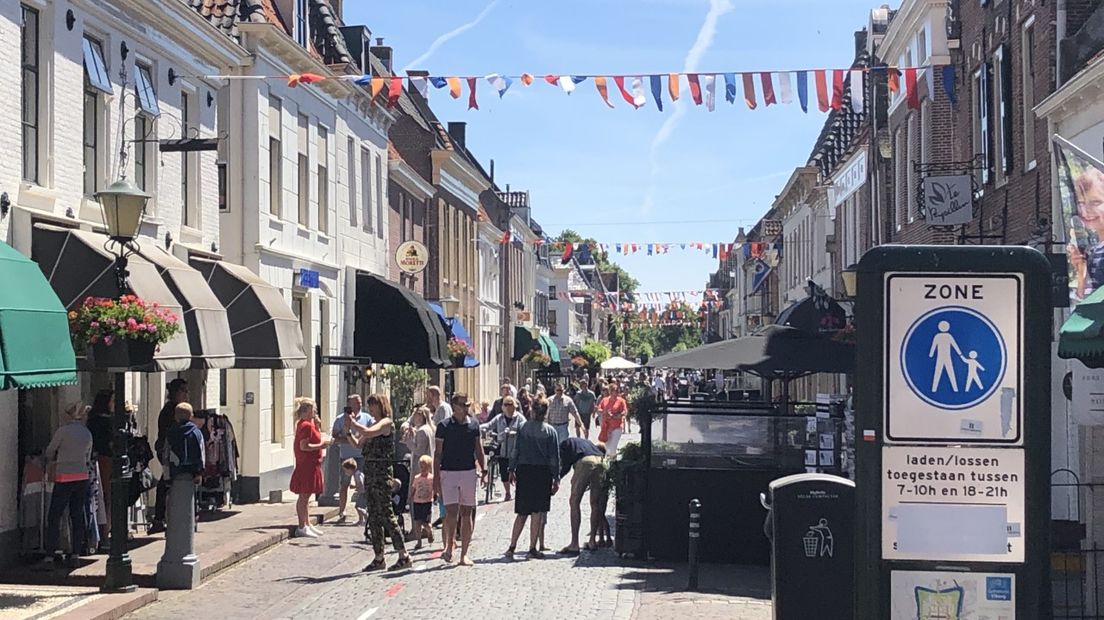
pixel 939 595
pixel 961 504
pixel 953 358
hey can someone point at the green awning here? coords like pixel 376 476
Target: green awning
pixel 1082 335
pixel 550 348
pixel 524 342
pixel 35 349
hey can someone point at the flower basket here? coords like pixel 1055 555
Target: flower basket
pixel 459 350
pixel 537 358
pixel 120 333
pixel 122 354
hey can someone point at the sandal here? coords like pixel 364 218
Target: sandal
pixel 404 562
pixel 377 564
pixel 569 552
pixel 510 552
pixel 535 555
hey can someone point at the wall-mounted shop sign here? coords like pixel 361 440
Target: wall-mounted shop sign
pixel 412 257
pixel 848 180
pixel 308 278
pixel 948 200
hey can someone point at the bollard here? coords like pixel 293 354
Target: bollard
pixel 695 536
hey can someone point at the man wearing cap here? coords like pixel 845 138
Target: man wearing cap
pixel 459 465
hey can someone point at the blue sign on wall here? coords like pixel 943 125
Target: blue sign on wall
pixel 308 278
pixel 953 357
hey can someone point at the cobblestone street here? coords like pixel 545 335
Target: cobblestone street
pixel 321 578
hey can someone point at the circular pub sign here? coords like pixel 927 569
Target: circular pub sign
pixel 412 257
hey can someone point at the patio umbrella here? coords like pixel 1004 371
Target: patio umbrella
pixel 619 363
pixel 777 352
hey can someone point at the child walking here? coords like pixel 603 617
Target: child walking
pixel 421 500
pixel 360 498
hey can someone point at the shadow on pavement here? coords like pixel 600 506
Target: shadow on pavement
pixel 726 580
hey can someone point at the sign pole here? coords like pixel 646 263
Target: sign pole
pixel 953 430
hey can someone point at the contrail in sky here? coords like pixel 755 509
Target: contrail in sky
pixel 706 34
pixel 452 34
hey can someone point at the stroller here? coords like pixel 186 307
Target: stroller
pixel 398 497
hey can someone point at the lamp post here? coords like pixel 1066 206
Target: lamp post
pixel 451 307
pixel 123 205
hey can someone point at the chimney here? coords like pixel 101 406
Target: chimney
pixel 458 131
pixel 860 42
pixel 383 52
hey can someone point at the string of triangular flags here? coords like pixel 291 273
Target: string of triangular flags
pixel 829 87
pixel 583 252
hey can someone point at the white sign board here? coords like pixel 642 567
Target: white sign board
pixel 959 504
pixel 938 595
pixel 949 200
pixel 953 370
pixel 1088 395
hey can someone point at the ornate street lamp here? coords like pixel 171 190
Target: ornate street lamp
pixel 451 307
pixel 850 277
pixel 123 206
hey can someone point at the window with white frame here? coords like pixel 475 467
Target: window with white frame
pixel 351 179
pixel 323 179
pixel 29 91
pixel 303 188
pixel 980 94
pixel 275 156
pixel 302 21
pixel 144 124
pixel 96 84
pixel 1002 114
pixel 380 198
pixel 1027 60
pixel 366 187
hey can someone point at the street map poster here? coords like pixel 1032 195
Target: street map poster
pixel 938 595
pixel 960 504
pixel 953 358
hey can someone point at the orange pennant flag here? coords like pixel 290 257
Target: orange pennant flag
pixel 600 84
pixel 454 87
pixel 673 86
pixel 377 86
pixel 526 79
pixel 303 78
pixel 894 80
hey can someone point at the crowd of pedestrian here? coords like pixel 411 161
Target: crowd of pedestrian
pixel 529 439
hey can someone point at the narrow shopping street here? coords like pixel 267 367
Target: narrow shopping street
pixel 322 578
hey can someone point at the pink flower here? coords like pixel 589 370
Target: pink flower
pixel 108 340
pixel 95 324
pixel 131 323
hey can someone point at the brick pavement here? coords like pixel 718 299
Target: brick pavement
pixel 321 578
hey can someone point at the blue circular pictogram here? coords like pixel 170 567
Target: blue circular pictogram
pixel 953 357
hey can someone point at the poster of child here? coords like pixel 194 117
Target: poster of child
pixel 1081 183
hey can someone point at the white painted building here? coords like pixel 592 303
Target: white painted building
pixel 491 308
pixel 806 225
pixel 74 105
pixel 568 291
pixel 307 209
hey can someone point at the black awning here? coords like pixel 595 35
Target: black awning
pixel 816 314
pixel 393 325
pixel 263 328
pixel 79 266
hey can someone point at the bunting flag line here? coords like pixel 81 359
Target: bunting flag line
pixel 603 91
pixel 845 86
pixel 768 88
pixel 749 91
pixel 695 88
pixel 821 90
pixel 657 91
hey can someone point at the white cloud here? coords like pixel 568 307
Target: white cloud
pixel 706 34
pixel 451 34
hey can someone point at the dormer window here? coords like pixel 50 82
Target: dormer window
pixel 302 31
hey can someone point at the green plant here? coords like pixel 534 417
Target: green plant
pixel 642 401
pixel 537 358
pixel 101 320
pixel 630 462
pixel 404 380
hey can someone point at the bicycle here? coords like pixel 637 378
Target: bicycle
pixel 491 446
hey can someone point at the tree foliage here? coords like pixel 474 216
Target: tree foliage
pixel 404 380
pixel 626 283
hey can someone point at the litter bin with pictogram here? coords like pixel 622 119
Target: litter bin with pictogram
pixel 811 526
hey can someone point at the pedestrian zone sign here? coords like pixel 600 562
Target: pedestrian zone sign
pixel 953 366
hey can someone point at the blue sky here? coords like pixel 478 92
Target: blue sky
pixel 595 170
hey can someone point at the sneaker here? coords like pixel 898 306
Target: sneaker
pixel 157 527
pixel 305 532
pixel 317 531
pixel 341 519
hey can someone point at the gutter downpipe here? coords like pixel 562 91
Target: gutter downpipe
pixel 1060 34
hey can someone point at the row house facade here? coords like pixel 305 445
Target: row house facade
pixel 94 88
pixel 518 264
